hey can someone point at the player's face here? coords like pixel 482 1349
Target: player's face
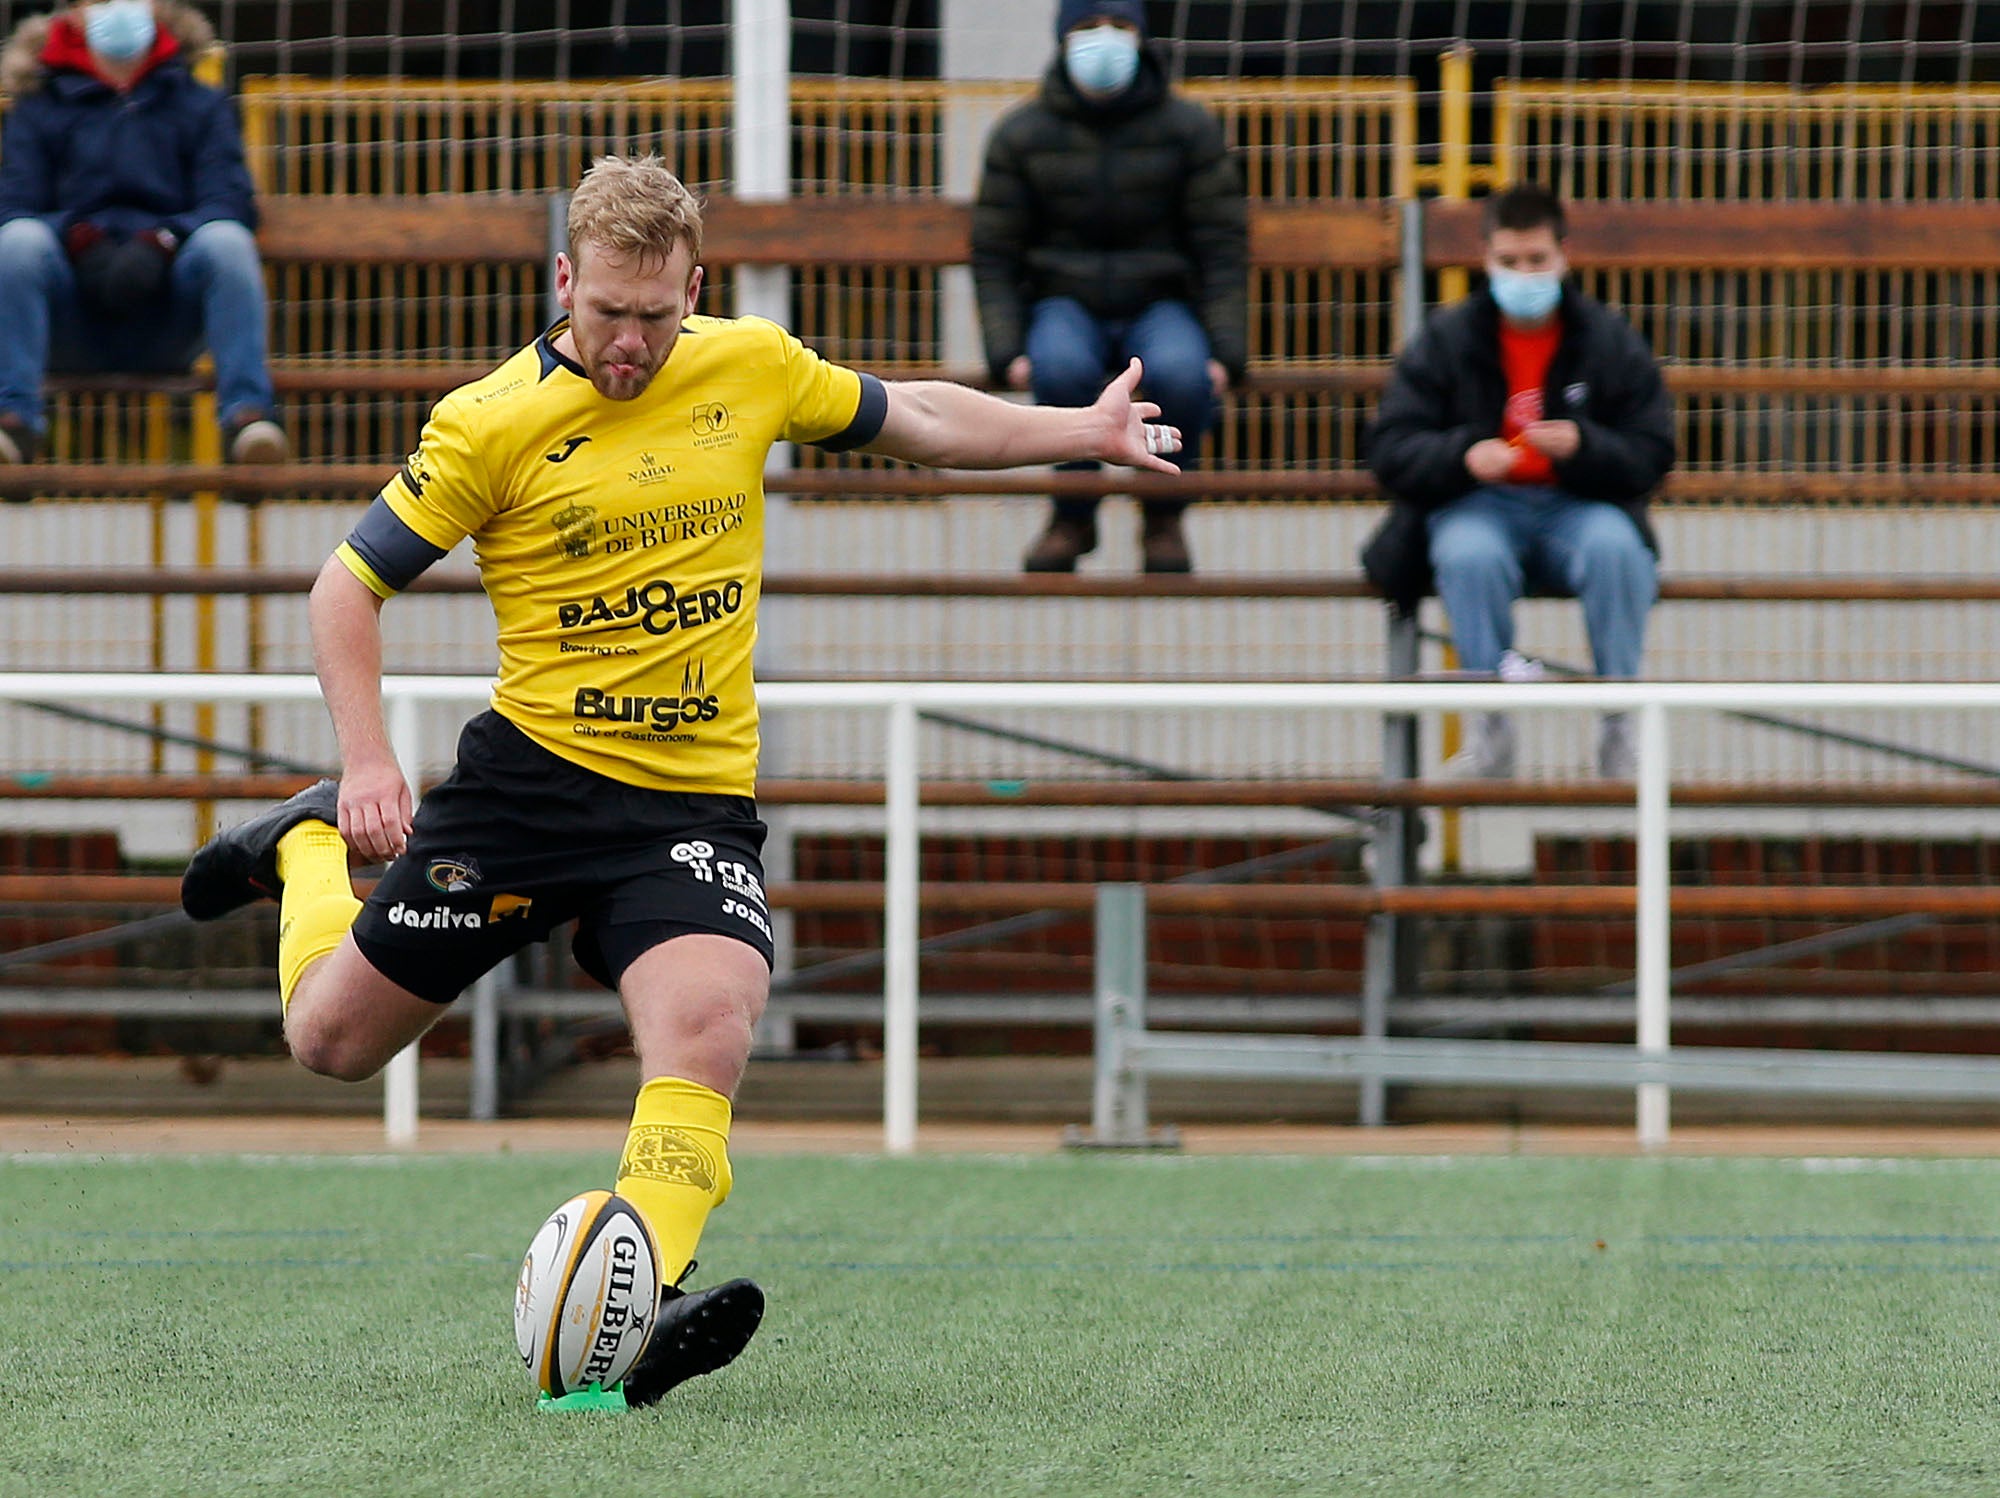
pixel 625 313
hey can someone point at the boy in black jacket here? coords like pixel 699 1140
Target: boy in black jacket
pixel 1527 425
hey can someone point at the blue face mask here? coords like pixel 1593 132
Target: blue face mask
pixel 1525 295
pixel 120 30
pixel 1101 60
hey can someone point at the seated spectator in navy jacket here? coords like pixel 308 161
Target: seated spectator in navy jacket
pixel 125 219
pixel 1519 437
pixel 1112 225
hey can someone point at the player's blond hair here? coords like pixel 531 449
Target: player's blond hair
pixel 634 207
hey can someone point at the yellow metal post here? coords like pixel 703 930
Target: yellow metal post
pixel 1454 182
pixel 1454 148
pixel 258 149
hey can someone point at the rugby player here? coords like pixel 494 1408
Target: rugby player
pixel 610 477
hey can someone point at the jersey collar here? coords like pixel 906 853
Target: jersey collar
pixel 552 359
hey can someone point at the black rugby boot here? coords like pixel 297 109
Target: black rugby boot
pixel 695 1333
pixel 238 866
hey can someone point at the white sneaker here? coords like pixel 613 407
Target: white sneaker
pixel 259 441
pixel 1489 750
pixel 1517 667
pixel 17 443
pixel 1617 752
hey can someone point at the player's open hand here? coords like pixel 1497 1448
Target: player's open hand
pixel 1134 435
pixel 375 810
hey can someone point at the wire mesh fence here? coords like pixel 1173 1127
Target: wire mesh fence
pixel 1722 41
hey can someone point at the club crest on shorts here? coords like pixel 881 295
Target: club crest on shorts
pixel 451 876
pixel 663 1154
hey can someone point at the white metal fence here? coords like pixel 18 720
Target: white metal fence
pixel 1655 704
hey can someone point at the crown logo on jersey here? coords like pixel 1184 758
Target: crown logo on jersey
pixel 576 530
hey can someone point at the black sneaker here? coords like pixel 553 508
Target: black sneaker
pixel 236 867
pixel 695 1333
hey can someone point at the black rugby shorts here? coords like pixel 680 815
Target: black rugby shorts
pixel 517 842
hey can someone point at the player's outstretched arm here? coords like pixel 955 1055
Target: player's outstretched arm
pixel 943 425
pixel 375 803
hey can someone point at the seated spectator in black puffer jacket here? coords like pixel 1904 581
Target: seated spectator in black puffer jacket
pixel 126 219
pixel 1111 225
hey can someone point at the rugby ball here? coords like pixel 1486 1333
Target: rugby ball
pixel 588 1293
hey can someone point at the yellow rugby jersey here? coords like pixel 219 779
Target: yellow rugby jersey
pixel 621 542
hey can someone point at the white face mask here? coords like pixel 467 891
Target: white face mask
pixel 1101 60
pixel 1525 296
pixel 120 30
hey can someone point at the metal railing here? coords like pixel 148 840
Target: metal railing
pixel 902 704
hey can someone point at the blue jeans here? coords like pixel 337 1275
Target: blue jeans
pixel 1496 543
pixel 1075 353
pixel 216 298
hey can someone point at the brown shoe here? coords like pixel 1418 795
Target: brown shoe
pixel 1163 545
pixel 1057 548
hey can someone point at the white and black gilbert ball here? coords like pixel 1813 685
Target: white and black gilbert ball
pixel 588 1294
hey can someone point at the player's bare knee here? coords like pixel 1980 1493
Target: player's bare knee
pixel 749 1005
pixel 725 1023
pixel 322 1044
pixel 707 1039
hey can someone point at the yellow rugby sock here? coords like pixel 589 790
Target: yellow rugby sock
pixel 676 1165
pixel 318 904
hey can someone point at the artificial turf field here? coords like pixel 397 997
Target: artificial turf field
pixel 999 1325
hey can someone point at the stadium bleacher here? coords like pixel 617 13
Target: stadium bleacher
pixel 426 215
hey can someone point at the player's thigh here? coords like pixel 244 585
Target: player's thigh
pixel 695 997
pixel 685 938
pixel 435 942
pixel 346 1018
pixel 492 864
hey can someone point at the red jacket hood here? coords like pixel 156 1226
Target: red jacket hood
pixel 67 48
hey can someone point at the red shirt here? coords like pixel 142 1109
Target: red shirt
pixel 1525 356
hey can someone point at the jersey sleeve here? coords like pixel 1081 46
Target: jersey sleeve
pixel 440 495
pixel 829 405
